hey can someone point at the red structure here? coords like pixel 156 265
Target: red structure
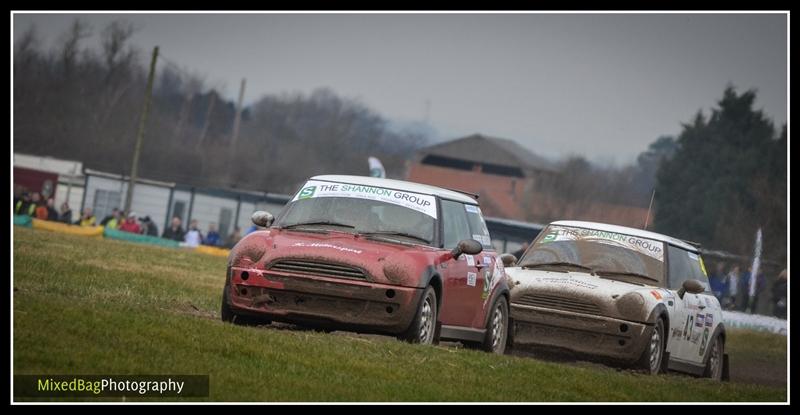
pixel 35 181
pixel 500 171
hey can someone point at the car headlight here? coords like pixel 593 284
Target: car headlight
pixel 630 305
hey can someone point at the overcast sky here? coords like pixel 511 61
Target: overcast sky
pixel 600 85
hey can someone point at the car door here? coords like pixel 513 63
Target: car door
pixel 689 312
pixel 462 290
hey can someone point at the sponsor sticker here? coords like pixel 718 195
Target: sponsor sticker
pixel 649 247
pixel 471 278
pixel 470 260
pixel 471 208
pixel 699 320
pixel 487 260
pixel 421 203
pixel 709 320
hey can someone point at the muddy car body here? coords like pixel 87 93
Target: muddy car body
pixel 376 256
pixel 620 294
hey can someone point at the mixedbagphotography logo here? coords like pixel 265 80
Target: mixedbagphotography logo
pixel 75 386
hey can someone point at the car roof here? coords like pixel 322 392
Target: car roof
pixel 399 185
pixel 628 231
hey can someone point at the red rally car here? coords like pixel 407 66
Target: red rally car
pixel 374 256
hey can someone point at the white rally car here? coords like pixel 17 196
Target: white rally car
pixel 618 293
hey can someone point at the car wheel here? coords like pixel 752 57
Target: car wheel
pixel 715 359
pixel 497 327
pixel 225 312
pixel 653 356
pixel 423 327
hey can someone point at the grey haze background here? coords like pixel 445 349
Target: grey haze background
pixel 600 85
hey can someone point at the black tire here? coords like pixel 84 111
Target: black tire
pixel 225 312
pixel 714 363
pixel 652 359
pixel 423 328
pixel 497 327
pixel 227 315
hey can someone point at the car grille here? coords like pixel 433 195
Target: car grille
pixel 558 303
pixel 321 269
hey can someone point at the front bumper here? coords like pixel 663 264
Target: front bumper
pixel 334 303
pixel 581 333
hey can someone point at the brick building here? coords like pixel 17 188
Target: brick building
pixel 509 180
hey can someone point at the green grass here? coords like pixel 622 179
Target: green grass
pixel 89 306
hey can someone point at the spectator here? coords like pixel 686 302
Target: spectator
pixel 66 214
pixel 130 224
pixel 87 219
pixel 733 287
pixel 193 236
pixel 24 205
pixel 750 305
pixel 41 210
pixel 47 211
pixel 212 237
pixel 234 237
pixel 717 282
pixel 149 227
pixel 779 290
pixel 519 252
pixel 36 201
pixel 112 221
pixel 174 231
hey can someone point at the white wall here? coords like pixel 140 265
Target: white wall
pixel 148 200
pixel 74 202
pixel 207 209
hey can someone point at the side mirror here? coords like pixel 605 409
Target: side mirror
pixel 467 246
pixel 509 260
pixel 690 286
pixel 262 218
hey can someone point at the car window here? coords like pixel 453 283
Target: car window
pixel 477 226
pixel 684 265
pixel 455 223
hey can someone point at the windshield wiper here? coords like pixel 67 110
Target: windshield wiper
pixel 320 222
pixel 555 264
pixel 395 233
pixel 631 273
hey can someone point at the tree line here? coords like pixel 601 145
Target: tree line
pixel 715 183
pixel 83 103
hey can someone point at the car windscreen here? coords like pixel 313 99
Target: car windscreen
pixel 608 254
pixel 363 209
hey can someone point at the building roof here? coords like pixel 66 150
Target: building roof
pixel 70 168
pixel 400 185
pixel 483 149
pixel 627 231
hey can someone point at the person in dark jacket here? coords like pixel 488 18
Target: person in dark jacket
pixel 779 290
pixel 66 214
pixel 213 238
pixel 149 227
pixel 174 231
